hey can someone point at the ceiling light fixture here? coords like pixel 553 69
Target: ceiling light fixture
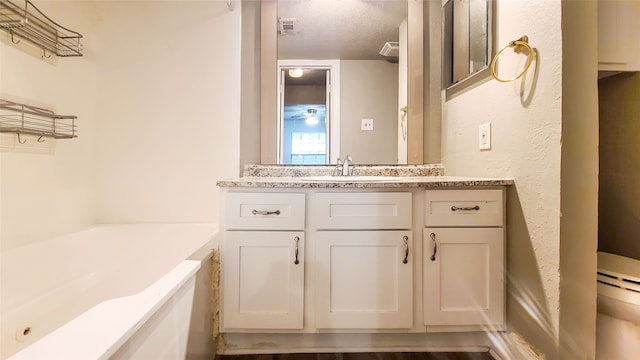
pixel 312 118
pixel 296 73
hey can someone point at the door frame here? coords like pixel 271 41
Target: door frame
pixel 333 99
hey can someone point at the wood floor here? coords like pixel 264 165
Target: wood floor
pixel 364 356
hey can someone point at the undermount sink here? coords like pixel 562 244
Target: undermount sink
pixel 354 178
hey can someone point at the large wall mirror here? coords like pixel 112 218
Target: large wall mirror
pixel 468 36
pixel 341 77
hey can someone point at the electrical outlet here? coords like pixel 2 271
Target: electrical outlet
pixel 484 136
pixel 367 125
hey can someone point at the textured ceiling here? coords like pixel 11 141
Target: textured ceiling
pixel 339 29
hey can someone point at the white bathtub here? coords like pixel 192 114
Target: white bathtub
pixel 88 294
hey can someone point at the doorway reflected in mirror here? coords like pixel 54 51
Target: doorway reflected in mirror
pixel 308 111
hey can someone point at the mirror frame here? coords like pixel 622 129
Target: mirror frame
pixel 269 80
pixel 485 73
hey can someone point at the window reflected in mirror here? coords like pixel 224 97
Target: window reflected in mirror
pixel 304 134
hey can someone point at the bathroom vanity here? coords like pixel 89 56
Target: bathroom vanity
pixel 406 253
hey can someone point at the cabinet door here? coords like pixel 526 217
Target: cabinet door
pixel 463 276
pixel 263 278
pixel 364 280
pixel 618 35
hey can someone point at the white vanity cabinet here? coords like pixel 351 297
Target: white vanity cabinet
pixel 464 260
pixel 363 260
pixel 262 266
pixel 300 260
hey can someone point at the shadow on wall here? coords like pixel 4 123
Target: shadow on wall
pixel 617 225
pixel 527 308
pixel 618 208
pixel 529 83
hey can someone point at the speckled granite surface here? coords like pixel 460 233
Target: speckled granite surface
pixel 362 176
pixel 356 170
pixel 400 182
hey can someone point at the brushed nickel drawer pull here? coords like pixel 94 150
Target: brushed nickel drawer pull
pixel 297 240
pixel 256 212
pixel 468 208
pixel 406 249
pixel 435 247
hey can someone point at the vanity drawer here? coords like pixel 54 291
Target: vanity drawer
pixel 264 211
pixel 362 211
pixel 464 208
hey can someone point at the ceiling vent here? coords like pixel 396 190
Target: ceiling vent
pixel 286 26
pixel 390 49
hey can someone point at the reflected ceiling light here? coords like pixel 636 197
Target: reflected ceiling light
pixel 311 119
pixel 296 73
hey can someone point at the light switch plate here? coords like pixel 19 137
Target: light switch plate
pixel 484 136
pixel 367 125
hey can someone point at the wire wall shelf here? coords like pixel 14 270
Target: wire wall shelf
pixel 24 119
pixel 26 21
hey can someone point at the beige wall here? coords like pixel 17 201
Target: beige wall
pixel 250 84
pixel 369 90
pixel 48 190
pixel 579 180
pixel 619 220
pixel 158 106
pixel 305 94
pixel 169 109
pixel 527 119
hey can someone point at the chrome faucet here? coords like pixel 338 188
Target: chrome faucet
pixel 345 165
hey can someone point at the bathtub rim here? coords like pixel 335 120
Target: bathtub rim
pixel 74 333
pixel 185 271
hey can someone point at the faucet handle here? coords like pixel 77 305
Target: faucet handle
pixel 338 169
pixel 345 165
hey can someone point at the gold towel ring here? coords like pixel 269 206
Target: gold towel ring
pixel 517 46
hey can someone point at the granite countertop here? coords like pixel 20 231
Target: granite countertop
pixel 399 182
pixel 362 176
